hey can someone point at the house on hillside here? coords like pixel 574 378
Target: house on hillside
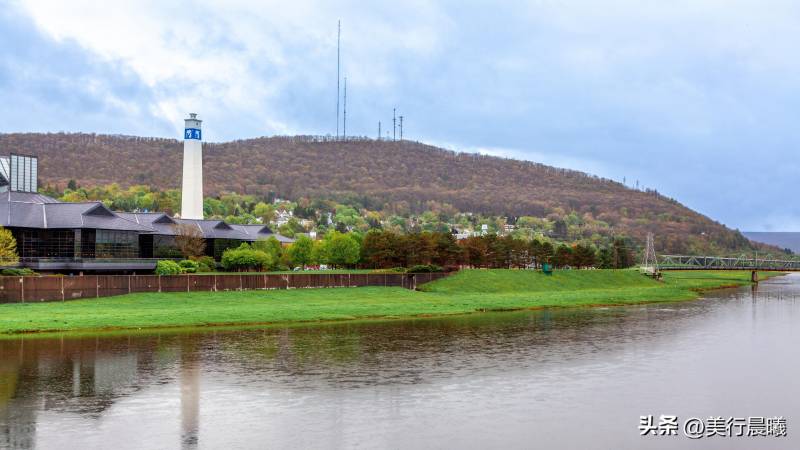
pixel 282 217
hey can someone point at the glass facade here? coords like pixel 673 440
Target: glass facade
pixel 46 243
pixel 69 244
pixel 116 244
pixel 93 244
pixel 220 245
pixel 164 247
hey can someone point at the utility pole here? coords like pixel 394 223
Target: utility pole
pixel 401 128
pixel 394 124
pixel 344 125
pixel 338 40
pixel 649 259
pixel 379 130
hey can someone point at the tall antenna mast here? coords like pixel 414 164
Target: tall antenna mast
pixel 401 128
pixel 394 124
pixel 344 124
pixel 379 130
pixel 338 40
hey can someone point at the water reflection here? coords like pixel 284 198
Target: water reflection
pixel 383 383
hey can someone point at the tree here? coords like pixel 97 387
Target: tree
pixel 419 248
pixel 583 256
pixel 562 256
pixel 560 229
pixel 475 251
pixel 301 250
pixel 605 258
pixel 189 240
pixel 518 252
pixel 8 248
pixel 382 249
pixel 272 247
pixel 623 257
pixel 341 249
pixel 447 252
pixel 265 212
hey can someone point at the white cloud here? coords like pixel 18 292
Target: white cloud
pixel 677 94
pixel 236 57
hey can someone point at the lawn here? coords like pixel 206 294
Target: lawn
pixel 465 292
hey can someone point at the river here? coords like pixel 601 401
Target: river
pixel 569 378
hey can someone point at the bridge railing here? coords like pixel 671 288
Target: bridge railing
pixel 688 262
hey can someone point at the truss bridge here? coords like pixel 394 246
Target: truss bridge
pixel 686 262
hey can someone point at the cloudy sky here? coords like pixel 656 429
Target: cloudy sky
pixel 699 99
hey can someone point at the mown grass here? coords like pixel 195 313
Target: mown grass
pixel 465 292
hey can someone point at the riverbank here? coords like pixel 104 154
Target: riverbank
pixel 466 292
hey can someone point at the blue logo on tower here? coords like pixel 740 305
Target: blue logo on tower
pixel 192 133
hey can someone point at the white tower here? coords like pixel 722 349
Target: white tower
pixel 192 192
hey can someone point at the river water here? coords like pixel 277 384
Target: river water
pixel 570 378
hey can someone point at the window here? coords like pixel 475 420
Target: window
pixel 116 244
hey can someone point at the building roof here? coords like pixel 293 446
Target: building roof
pixel 160 223
pixel 257 231
pixel 31 210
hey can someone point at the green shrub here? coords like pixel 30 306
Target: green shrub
pixel 205 263
pixel 189 266
pixel 244 258
pixel 18 272
pixel 167 267
pixel 425 268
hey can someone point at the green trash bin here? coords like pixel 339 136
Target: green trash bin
pixel 547 269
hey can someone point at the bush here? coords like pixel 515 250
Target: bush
pixel 18 272
pixel 167 267
pixel 205 263
pixel 244 258
pixel 425 268
pixel 189 266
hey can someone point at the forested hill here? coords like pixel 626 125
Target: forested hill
pixel 384 175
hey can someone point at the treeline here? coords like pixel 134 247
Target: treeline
pixel 382 249
pixel 389 250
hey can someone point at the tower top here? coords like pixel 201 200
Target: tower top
pixel 192 127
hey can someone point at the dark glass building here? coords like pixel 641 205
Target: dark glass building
pixel 67 237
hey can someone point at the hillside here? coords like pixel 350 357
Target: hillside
pixel 384 175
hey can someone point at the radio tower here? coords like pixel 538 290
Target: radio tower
pixel 401 128
pixel 338 40
pixel 344 124
pixel 379 130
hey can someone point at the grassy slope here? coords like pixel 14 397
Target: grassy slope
pixel 465 292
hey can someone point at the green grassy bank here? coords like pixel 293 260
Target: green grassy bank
pixel 465 292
